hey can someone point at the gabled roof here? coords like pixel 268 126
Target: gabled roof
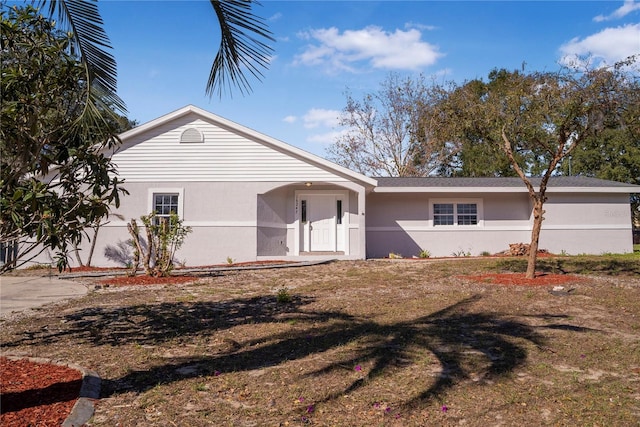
pixel 250 134
pixel 575 184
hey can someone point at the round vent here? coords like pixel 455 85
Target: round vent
pixel 191 135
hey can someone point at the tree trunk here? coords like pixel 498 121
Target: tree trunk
pixel 137 252
pixel 93 244
pixel 151 249
pixel 535 236
pixel 78 258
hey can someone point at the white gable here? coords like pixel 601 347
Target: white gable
pixel 159 151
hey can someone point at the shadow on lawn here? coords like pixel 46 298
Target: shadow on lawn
pixel 605 265
pixel 451 335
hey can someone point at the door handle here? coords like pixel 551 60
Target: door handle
pixel 310 227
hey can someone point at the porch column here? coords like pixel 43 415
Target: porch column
pixel 362 229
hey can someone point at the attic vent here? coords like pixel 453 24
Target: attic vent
pixel 191 135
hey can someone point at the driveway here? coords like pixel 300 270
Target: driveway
pixel 23 293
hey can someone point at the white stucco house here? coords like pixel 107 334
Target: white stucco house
pixel 251 197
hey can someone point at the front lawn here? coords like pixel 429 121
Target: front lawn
pixel 368 343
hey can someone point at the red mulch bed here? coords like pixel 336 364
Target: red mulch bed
pixel 85 268
pixel 36 394
pixel 148 280
pixel 518 279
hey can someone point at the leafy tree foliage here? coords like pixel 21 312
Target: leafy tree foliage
pixel 243 50
pixel 614 153
pixel 536 119
pixel 55 178
pixel 389 131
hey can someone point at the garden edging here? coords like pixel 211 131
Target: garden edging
pixel 84 407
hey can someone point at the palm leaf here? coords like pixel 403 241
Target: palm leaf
pixel 242 48
pixel 91 44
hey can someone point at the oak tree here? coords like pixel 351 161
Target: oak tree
pixel 536 119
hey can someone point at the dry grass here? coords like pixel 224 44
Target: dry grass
pixel 370 343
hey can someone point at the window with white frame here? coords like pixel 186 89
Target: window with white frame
pixel 453 213
pixel 164 201
pixel 164 204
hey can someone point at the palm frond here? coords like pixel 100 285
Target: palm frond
pixel 91 44
pixel 242 47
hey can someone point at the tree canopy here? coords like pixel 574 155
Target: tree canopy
pixel 537 120
pixel 54 175
pixel 389 131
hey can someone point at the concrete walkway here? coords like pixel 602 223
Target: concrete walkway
pixel 23 293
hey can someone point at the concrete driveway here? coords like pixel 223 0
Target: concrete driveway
pixel 23 293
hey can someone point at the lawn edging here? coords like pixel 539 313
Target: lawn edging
pixel 84 407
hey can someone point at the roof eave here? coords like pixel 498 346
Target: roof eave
pixel 618 190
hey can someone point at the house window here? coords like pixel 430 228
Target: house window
pixel 467 213
pixel 303 211
pixel 443 214
pixel 456 213
pixel 164 205
pixel 339 212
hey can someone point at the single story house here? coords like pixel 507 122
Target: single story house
pixel 251 197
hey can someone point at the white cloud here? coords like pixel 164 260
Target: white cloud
pixel 326 138
pixel 421 27
pixel 628 7
pixel 275 17
pixel 398 50
pixel 290 119
pixel 608 46
pixel 320 117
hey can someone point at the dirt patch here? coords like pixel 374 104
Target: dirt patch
pixel 354 343
pixel 147 280
pixel 519 279
pixel 36 394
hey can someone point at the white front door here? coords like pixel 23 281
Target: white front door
pixel 322 223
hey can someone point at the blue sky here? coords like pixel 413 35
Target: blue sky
pixel 164 51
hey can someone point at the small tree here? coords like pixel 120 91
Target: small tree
pixel 54 131
pixel 536 119
pixel 164 237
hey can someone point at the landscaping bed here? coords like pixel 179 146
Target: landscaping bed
pixel 36 394
pixel 356 343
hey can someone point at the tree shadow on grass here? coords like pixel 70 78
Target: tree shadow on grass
pixel 153 324
pixel 605 265
pixel 452 335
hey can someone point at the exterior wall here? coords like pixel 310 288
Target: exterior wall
pixel 222 216
pixel 402 223
pixel 587 224
pixel 272 223
pixel 239 220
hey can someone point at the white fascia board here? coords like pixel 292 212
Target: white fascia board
pixel 251 134
pixel 618 190
pixel 155 122
pixel 591 190
pixel 449 190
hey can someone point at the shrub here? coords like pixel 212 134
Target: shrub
pixel 164 238
pixel 283 296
